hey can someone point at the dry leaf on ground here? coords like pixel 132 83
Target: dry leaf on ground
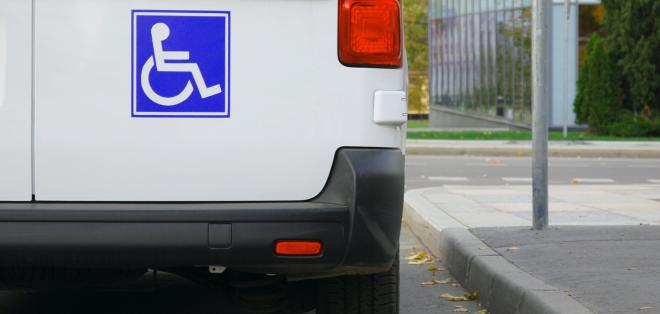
pixel 434 282
pixel 419 258
pixel 427 260
pixel 462 298
pixel 434 279
pixel 435 268
pixel 481 312
pixel 416 255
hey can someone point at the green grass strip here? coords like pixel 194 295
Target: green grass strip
pixel 514 136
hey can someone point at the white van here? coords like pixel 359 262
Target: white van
pixel 258 141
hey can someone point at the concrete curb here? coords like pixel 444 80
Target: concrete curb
pixel 501 286
pixel 523 149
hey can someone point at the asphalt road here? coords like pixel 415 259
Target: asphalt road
pixel 426 171
pixel 170 294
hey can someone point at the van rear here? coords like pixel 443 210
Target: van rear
pixel 238 139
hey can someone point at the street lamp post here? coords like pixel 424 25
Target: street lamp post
pixel 541 99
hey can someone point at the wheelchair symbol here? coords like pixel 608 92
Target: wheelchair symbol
pixel 159 33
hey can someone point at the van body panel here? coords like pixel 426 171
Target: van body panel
pixel 293 106
pixel 15 100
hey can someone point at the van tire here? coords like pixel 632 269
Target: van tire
pixel 361 294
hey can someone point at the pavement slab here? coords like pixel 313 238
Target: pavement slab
pixel 602 254
pixel 501 206
pixel 608 269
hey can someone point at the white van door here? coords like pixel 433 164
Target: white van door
pixel 15 100
pixel 196 100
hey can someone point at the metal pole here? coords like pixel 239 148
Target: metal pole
pixel 567 7
pixel 541 90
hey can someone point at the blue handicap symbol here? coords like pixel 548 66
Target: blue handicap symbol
pixel 180 64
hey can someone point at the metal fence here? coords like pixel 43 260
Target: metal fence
pixel 480 57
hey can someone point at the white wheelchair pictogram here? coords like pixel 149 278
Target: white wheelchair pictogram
pixel 159 33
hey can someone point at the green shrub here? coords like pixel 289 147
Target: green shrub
pixel 579 105
pixel 600 101
pixel 633 37
pixel 630 126
pixel 619 82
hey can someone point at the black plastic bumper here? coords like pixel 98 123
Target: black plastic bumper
pixel 357 217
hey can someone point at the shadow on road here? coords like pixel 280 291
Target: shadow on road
pixel 167 295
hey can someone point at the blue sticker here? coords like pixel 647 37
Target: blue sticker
pixel 180 64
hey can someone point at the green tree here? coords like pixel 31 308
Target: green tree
pixel 599 100
pixel 633 28
pixel 415 17
pixel 580 105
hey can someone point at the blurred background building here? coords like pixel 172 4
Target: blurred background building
pixel 480 61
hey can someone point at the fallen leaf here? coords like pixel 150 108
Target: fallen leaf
pixel 435 281
pixel 643 308
pixel 481 312
pixel 462 298
pixel 421 262
pixel 419 258
pixel 575 181
pixel 416 255
pixel 513 248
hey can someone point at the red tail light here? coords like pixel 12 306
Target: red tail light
pixel 298 248
pixel 370 33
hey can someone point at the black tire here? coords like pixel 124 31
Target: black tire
pixel 364 294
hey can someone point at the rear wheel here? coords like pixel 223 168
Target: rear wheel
pixel 364 294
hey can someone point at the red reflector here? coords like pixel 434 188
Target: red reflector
pixel 370 33
pixel 298 248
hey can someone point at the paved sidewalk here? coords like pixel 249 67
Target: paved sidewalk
pixel 613 269
pixel 596 149
pixel 605 257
